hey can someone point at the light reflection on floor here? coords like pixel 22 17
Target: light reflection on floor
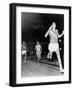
pixel 35 69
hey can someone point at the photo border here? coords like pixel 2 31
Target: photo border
pixel 12 64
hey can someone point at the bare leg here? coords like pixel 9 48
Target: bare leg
pixel 50 55
pixel 59 60
pixel 25 59
pixel 39 57
pixel 22 58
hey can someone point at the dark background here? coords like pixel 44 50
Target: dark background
pixel 34 27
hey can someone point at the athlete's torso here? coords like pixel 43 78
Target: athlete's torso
pixel 53 36
pixel 38 47
pixel 23 47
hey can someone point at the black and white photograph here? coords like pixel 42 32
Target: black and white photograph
pixel 41 44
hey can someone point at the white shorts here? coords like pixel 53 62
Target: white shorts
pixel 53 47
pixel 38 53
pixel 23 52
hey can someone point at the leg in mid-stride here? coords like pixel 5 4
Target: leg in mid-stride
pixel 38 55
pixel 24 55
pixel 54 47
pixel 59 60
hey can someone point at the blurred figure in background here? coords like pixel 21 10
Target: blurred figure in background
pixel 24 51
pixel 38 49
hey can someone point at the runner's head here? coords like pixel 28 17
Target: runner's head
pixel 54 25
pixel 37 42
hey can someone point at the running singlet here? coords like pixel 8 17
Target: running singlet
pixel 38 48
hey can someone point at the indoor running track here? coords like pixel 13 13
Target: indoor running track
pixel 35 69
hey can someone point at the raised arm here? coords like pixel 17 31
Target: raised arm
pixel 61 35
pixel 48 31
